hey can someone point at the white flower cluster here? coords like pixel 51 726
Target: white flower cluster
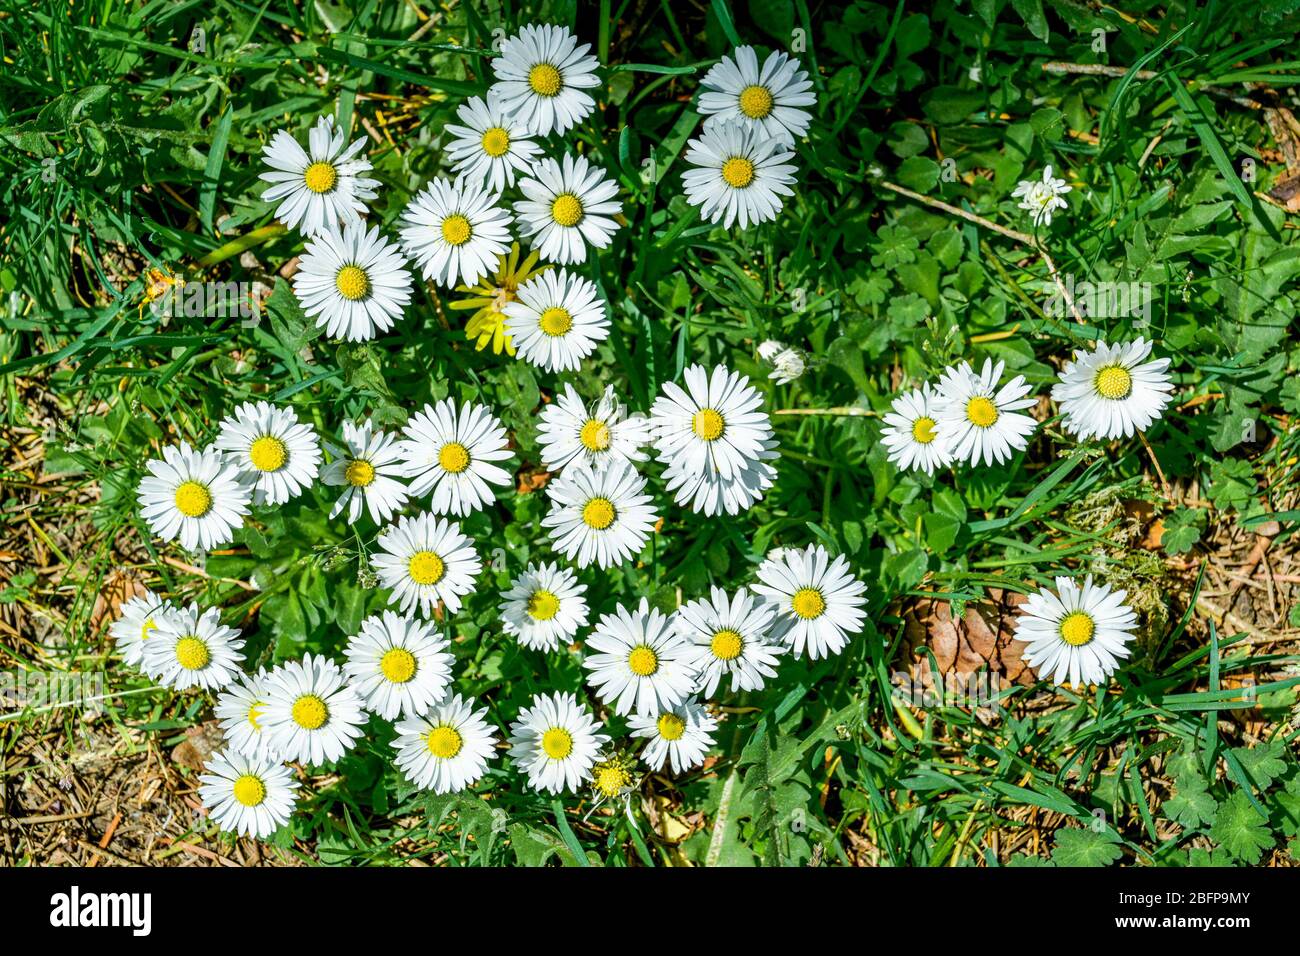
pixel 1106 393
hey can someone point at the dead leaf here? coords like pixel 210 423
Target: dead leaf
pixel 980 639
pixel 119 587
pixel 200 743
pixel 531 478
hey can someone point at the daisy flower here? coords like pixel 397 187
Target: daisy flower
pixel 450 452
pixel 354 283
pixel 312 715
pixel 367 467
pixel 977 418
pixel 425 560
pixel 819 603
pixel 769 101
pixel 490 298
pixel 555 742
pixel 455 231
pixel 613 776
pixel 566 207
pixel 1079 633
pixel 448 748
pixel 492 145
pixel 278 454
pixel 192 648
pixel 638 661
pixel 715 425
pixel 729 635
pixel 140 618
pixel 570 432
pixel 739 175
pixel 557 321
pixel 541 74
pixel 247 795
pixel 710 494
pixel 787 363
pixel 398 665
pixel 910 431
pixel 679 736
pixel 239 712
pixel 1112 391
pixel 544 607
pixel 321 186
pixel 195 496
pixel 1041 197
pixel 599 516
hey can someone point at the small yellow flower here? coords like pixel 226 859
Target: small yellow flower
pixel 490 298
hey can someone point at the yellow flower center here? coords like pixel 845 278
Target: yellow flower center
pixel 726 644
pixel 738 172
pixel 708 424
pixel 671 727
pixel 1113 381
pixel 255 714
pixel 756 101
pixel 643 661
pixel 192 654
pixel 249 790
pixel 453 457
pixel 555 321
pixel 808 603
pixel 456 229
pixel 1077 629
pixel 146 627
pixel 557 743
pixel 544 79
pixel 923 430
pixel 193 499
pixel 543 605
pixel 610 778
pixel 352 283
pixel 425 567
pixel 309 712
pixel 320 177
pixel 268 453
pixel 359 473
pixel 981 412
pixel 566 209
pixel 598 513
pixel 496 141
pixel 444 742
pixel 398 665
pixel 594 435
